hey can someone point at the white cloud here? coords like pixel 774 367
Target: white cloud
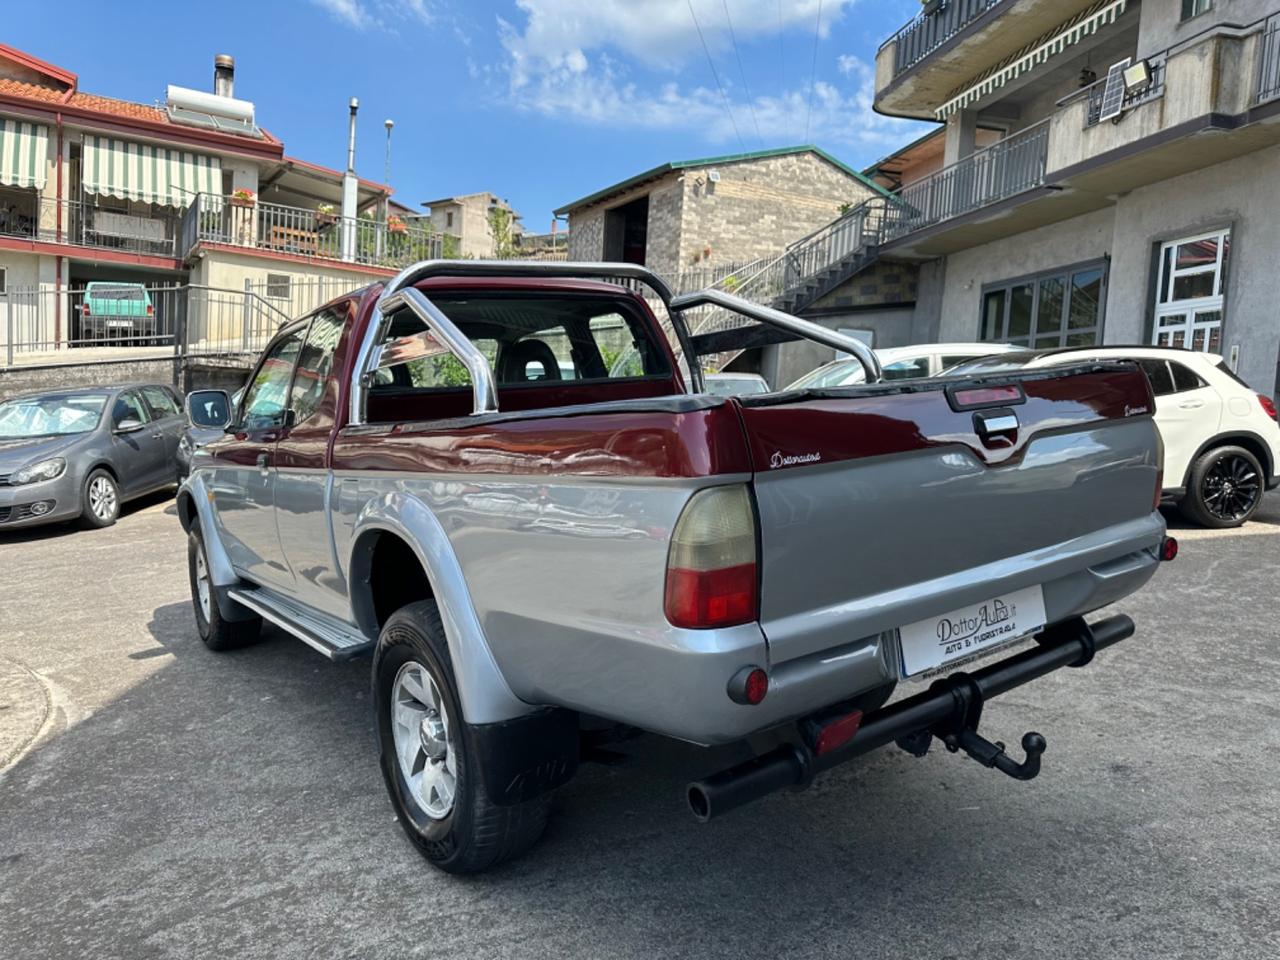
pixel 351 12
pixel 380 14
pixel 574 61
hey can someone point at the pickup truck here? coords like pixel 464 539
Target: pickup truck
pixel 505 482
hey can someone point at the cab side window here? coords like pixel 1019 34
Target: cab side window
pixel 265 398
pixel 315 363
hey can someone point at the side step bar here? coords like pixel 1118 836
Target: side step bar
pixel 949 710
pixel 329 639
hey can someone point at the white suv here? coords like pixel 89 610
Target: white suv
pixel 1221 439
pixel 900 363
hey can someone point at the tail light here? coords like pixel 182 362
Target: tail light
pixel 1268 407
pixel 85 309
pixel 151 310
pixel 711 566
pixel 1168 549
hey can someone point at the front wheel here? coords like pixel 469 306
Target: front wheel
pixel 429 756
pixel 101 500
pixel 1225 488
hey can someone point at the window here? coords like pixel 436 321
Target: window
pixel 527 341
pixel 1189 294
pixel 1157 372
pixel 448 218
pixel 278 286
pixel 1184 378
pixel 1193 8
pixel 4 279
pixel 906 369
pixel 315 363
pixel 161 402
pixel 264 400
pixel 1061 308
pixel 129 406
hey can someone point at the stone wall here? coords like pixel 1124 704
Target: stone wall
pixel 883 283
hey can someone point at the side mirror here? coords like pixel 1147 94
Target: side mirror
pixel 129 425
pixel 209 408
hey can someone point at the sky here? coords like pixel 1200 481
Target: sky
pixel 539 101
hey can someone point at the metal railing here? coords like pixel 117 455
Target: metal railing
pixel 1008 167
pixel 1094 93
pixel 930 30
pixel 88 223
pixel 310 233
pixel 1268 82
pixel 44 324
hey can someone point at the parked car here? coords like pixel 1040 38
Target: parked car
pixel 900 363
pixel 81 453
pixel 1220 437
pixel 206 420
pixel 114 311
pixel 518 554
pixel 735 384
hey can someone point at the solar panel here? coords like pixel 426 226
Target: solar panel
pixel 1113 91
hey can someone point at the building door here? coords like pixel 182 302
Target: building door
pixel 626 232
pixel 1189 299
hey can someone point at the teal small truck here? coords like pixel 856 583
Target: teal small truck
pixel 114 311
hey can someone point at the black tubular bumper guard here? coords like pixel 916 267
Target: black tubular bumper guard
pixel 949 710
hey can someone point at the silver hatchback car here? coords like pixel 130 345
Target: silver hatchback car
pixel 80 453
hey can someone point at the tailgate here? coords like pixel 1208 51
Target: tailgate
pixel 883 505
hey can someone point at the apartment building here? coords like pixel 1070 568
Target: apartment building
pixel 191 191
pixel 469 218
pixel 1105 171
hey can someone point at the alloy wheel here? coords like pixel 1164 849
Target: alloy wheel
pixel 102 498
pixel 1231 488
pixel 202 584
pixel 421 731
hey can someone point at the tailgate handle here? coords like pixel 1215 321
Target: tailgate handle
pixel 995 423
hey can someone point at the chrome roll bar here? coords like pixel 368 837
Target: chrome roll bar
pixel 784 321
pixel 483 385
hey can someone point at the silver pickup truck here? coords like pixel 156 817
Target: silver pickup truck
pixel 506 482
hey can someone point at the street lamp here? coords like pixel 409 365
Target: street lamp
pixel 386 167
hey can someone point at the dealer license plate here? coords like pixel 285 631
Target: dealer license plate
pixel 970 631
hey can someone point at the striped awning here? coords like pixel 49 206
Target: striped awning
pixel 1083 24
pixel 139 171
pixel 24 149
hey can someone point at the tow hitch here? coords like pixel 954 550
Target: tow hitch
pixel 950 710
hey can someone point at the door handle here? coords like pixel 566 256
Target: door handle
pixel 262 462
pixel 1191 404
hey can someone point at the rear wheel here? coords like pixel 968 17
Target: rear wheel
pixel 429 757
pixel 217 633
pixel 1225 488
pixel 100 502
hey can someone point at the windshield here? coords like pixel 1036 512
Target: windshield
pixel 997 363
pixel 722 386
pixel 50 416
pixel 834 374
pixel 116 293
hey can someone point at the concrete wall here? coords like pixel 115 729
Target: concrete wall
pixel 24 318
pixel 1160 27
pixel 1082 238
pixel 15 381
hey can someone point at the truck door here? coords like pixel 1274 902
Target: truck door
pixel 303 481
pixel 243 467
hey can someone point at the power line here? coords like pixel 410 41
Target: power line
pixel 711 63
pixel 813 72
pixel 742 72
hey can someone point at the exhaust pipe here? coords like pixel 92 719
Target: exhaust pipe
pixel 949 704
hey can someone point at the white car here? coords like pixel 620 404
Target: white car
pixel 1221 438
pixel 735 384
pixel 900 363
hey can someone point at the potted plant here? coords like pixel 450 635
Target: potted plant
pixel 242 197
pixel 326 215
pixel 396 224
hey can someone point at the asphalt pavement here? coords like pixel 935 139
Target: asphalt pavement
pixel 159 800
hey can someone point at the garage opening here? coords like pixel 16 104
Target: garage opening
pixel 626 232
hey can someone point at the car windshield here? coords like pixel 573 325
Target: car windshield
pixel 50 416
pixel 722 386
pixel 116 293
pixel 996 363
pixel 833 374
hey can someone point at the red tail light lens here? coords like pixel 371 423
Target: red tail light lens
pixel 150 310
pixel 1168 549
pixel 85 309
pixel 1269 407
pixel 711 566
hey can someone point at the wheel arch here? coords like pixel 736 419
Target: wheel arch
pixel 1237 438
pixel 402 525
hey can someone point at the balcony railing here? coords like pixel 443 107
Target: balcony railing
pixel 1096 91
pixel 1006 168
pixel 930 30
pixel 1268 87
pixel 310 233
pixel 88 224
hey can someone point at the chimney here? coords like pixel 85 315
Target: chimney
pixel 349 189
pixel 224 75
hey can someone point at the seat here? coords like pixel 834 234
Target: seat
pixel 513 366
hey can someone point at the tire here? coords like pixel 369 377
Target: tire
pixel 217 633
pixel 468 833
pixel 100 500
pixel 1224 488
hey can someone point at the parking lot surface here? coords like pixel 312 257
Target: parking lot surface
pixel 159 800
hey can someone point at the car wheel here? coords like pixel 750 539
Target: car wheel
pixel 100 502
pixel 217 633
pixel 1225 488
pixel 429 756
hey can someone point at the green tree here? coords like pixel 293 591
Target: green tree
pixel 502 229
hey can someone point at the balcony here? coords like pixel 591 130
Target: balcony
pixel 309 234
pixel 97 224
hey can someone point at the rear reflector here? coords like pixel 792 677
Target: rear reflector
pixel 974 397
pixel 711 565
pixel 1168 549
pixel 748 686
pixel 1269 406
pixel 837 732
